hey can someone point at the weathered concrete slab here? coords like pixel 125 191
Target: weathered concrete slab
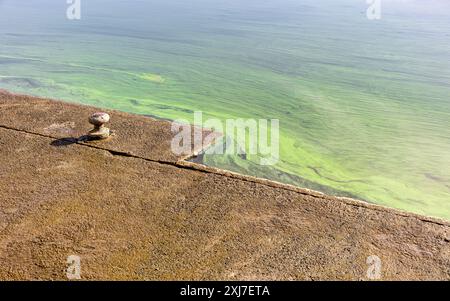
pixel 132 218
pixel 140 135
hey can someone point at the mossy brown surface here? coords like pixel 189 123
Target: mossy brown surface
pixel 131 210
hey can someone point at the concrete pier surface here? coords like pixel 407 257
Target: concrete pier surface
pixel 132 210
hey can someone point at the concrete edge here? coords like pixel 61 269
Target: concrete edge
pixel 312 193
pixel 182 163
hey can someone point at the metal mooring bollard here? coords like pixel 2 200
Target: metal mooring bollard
pixel 98 120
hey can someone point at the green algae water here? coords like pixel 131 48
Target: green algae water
pixel 364 106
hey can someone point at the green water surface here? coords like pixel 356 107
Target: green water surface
pixel 364 106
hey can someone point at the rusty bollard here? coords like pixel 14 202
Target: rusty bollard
pixel 98 120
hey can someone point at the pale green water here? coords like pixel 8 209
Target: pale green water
pixel 364 106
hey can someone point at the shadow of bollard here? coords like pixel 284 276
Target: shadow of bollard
pixel 64 142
